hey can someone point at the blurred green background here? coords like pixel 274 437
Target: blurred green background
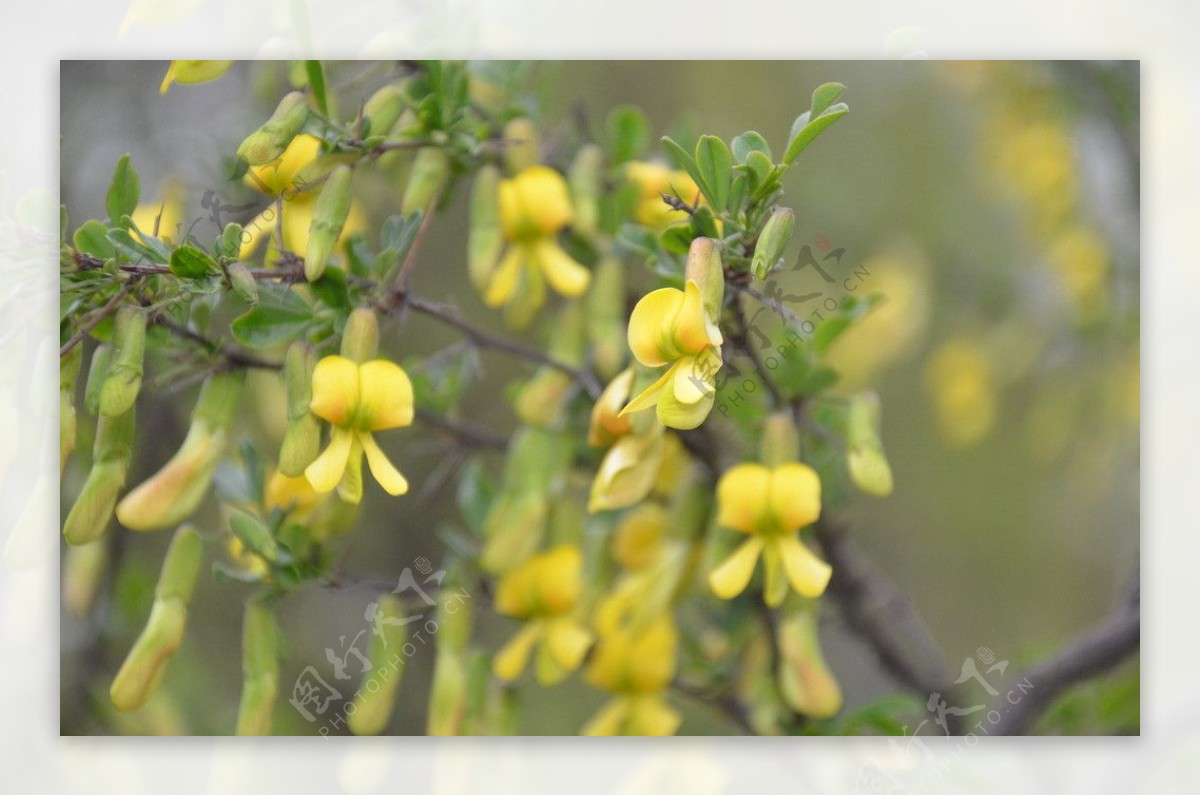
pixel 993 205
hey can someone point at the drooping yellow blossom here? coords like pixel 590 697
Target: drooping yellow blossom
pixel 637 667
pixel 357 400
pixel 959 377
pixel 653 180
pixel 770 505
pixel 534 206
pixel 672 327
pixel 193 72
pixel 163 218
pixel 545 592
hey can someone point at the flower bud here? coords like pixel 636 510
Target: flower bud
pixel 101 356
pixel 523 147
pixel 186 72
pixel 143 667
pixel 382 110
pixel 301 445
pixel 607 424
pixel 269 141
pixel 869 468
pixel 772 241
pixel 541 401
pixel 83 570
pixel 333 205
pixel 68 373
pixel 627 473
pixel 260 669
pixel 242 282
pixel 173 493
pixel 807 685
pixel 780 440
pixel 372 709
pixel 111 452
pixel 123 378
pixel 448 694
pixel 485 237
pixel 360 338
pixel 705 269
pixel 231 240
pixel 606 316
pixel 428 178
pixel 586 181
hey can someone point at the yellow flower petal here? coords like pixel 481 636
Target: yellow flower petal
pixel 795 495
pixel 652 716
pixel 610 720
pixel 385 396
pixel 651 395
pixel 606 424
pixel 534 203
pixel 650 326
pixel 808 574
pixel 335 390
pixel 387 475
pixel 505 277
pixel 733 576
pixel 694 380
pixel 742 495
pixel 326 471
pixel 564 274
pixel 350 488
pixel 568 642
pixel 673 413
pixel 775 583
pixel 510 661
pixel 691 330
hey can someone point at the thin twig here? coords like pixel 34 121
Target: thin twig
pixel 743 341
pixel 768 302
pixel 100 315
pixel 466 434
pixel 727 704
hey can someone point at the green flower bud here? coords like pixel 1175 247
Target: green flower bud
pixel 360 338
pixel 268 142
pixel 382 110
pixel 485 237
pixel 260 669
pixel 173 493
pixel 868 465
pixel 123 378
pixel 101 356
pixel 242 282
pixel 231 240
pixel 301 445
pixel 606 316
pixel 83 570
pixel 807 685
pixel 541 401
pixel 586 182
pixel 111 452
pixel 780 441
pixel 705 269
pixel 773 241
pixel 448 694
pixel 144 665
pixel 333 205
pixel 524 145
pixel 430 173
pixel 372 708
pixel 68 373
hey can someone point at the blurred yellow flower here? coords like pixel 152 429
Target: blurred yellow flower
pixel 193 72
pixel 770 505
pixel 544 591
pixel 1081 259
pixel 653 180
pixel 637 667
pixel 959 377
pixel 638 539
pixel 164 218
pixel 358 399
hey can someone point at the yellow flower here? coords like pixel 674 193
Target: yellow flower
pixel 358 399
pixel 638 539
pixel 653 180
pixel 165 216
pixel 637 668
pixel 279 175
pixel 672 327
pixel 544 591
pixel 535 206
pixel 771 505
pixel 193 72
pixel 959 376
pixel 292 495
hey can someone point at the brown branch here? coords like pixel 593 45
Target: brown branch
pixel 91 323
pixel 472 436
pixel 1097 652
pixel 882 615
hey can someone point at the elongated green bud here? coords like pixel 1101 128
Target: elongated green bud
pixel 260 669
pixel 448 695
pixel 485 237
pixel 586 182
pixel 333 205
pixel 68 374
pixel 606 316
pixel 242 282
pixel 111 452
pixel 144 665
pixel 298 365
pixel 302 440
pixel 382 110
pixel 83 570
pixel 231 239
pixel 773 241
pixel 171 495
pixel 429 176
pixel 360 339
pixel 523 145
pixel 372 707
pixel 705 269
pixel 95 379
pixel 268 142
pixel 123 378
pixel 541 401
pixel 780 441
pixel 806 683
pixel 868 465
pixel 479 683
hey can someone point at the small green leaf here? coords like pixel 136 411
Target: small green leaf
pixel 122 196
pixel 628 133
pixel 761 164
pixel 676 238
pixel 279 315
pixel 682 159
pixel 92 238
pixel 254 535
pixel 331 288
pixel 703 224
pixel 715 165
pixel 807 131
pixel 190 262
pixel 825 95
pixel 749 142
pixel 316 81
